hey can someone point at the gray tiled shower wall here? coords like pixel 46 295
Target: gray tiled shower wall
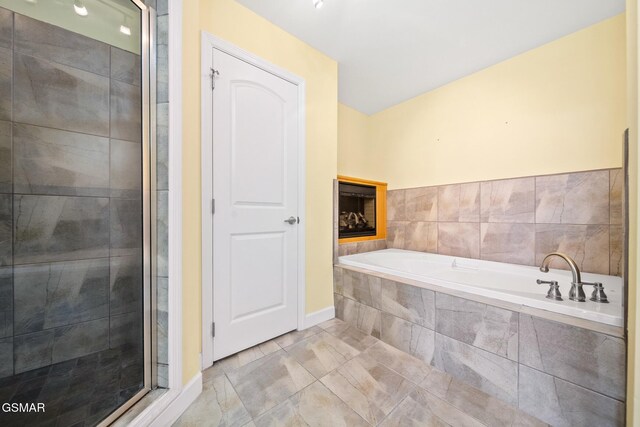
pixel 516 220
pixel 162 184
pixel 70 208
pixel 561 374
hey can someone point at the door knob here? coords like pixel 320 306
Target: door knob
pixel 292 220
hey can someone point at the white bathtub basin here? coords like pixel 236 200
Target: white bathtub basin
pixel 507 282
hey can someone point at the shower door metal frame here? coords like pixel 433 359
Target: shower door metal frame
pixel 148 85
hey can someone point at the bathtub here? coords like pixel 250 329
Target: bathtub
pixel 510 283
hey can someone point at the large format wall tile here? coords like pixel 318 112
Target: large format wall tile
pixel 508 200
pixel 46 41
pixel 162 146
pixel 126 169
pixel 162 238
pixel 6 302
pixel 47 296
pixel 360 247
pixel 56 162
pixel 361 287
pixel 126 112
pixel 80 339
pixel 6 357
pixel 616 251
pixel 408 302
pixel 576 198
pixel 396 234
pixel 32 351
pixel 512 243
pixel 125 284
pixel 421 236
pixel 126 227
pixel 493 374
pixel 338 274
pixel 396 206
pixel 564 404
pixel 6 229
pixel 362 317
pixel 162 73
pixel 489 328
pixel 616 185
pixel 588 245
pixel 80 99
pixel 5 157
pixel 590 359
pixel 58 228
pixel 125 330
pixel 459 239
pixel 162 318
pixel 413 339
pixel 125 66
pixel 6 81
pixel 421 204
pixel 459 202
pixel 6 28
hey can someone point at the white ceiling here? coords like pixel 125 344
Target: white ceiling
pixel 392 50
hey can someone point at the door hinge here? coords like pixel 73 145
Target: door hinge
pixel 213 329
pixel 213 206
pixel 213 75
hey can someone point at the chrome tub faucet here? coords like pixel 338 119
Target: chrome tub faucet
pixel 576 293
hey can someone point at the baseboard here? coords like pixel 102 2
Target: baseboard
pixel 187 396
pixel 317 317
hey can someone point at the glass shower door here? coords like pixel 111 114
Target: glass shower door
pixel 74 210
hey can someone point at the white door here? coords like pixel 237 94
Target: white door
pixel 255 187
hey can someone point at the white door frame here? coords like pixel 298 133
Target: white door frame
pixel 209 42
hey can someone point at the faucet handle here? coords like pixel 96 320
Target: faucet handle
pixel 554 289
pixel 598 294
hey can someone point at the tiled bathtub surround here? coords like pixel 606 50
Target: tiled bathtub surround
pixel 360 247
pixel 70 170
pixel 562 374
pixel 515 220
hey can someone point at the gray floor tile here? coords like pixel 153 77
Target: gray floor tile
pixel 321 353
pixel 368 387
pixel 412 368
pixel 314 406
pixel 422 409
pixel 269 381
pixel 218 405
pixel 238 360
pixel 352 336
pixel 6 82
pixel 296 336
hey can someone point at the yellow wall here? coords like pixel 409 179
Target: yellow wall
pixel 633 355
pixel 557 108
pixel 231 21
pixel 353 138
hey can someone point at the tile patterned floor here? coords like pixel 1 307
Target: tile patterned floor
pixel 334 375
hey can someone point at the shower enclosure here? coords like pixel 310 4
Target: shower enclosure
pixel 75 209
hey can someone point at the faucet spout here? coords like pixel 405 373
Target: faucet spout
pixel 576 293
